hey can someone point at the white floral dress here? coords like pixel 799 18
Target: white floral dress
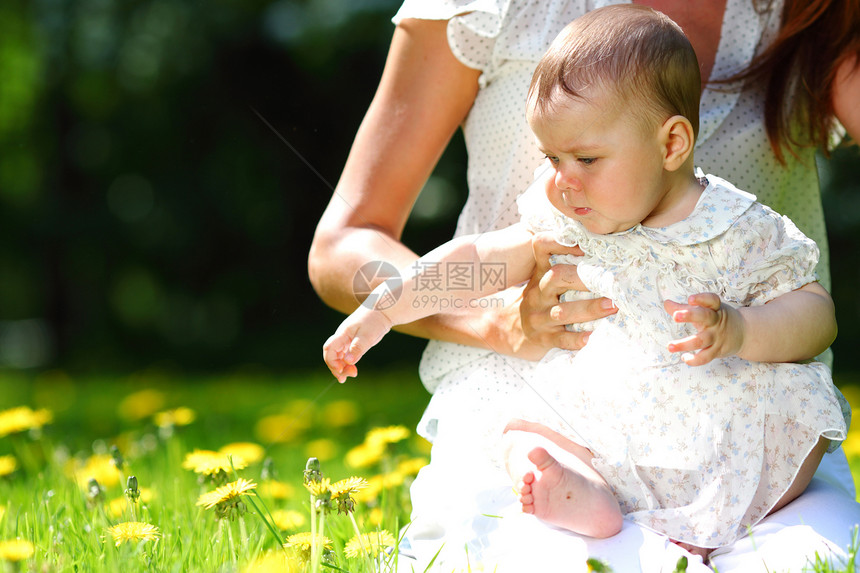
pixel 698 453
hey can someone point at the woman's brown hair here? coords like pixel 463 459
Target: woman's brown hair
pixel 815 38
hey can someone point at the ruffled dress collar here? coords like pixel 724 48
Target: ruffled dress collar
pixel 718 207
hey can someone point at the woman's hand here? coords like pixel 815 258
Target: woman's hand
pixel 542 316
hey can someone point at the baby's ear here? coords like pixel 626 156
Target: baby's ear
pixel 678 142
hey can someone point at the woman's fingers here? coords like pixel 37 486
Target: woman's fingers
pixel 544 246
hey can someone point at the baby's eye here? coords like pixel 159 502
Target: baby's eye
pixel 552 159
pixel 587 160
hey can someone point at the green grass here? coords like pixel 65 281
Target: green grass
pixel 47 502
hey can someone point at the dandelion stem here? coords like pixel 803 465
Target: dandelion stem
pixel 243 535
pixel 314 550
pixel 230 541
pixel 318 542
pixel 364 551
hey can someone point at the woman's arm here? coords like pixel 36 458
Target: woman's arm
pixel 414 293
pixel 422 98
pixel 424 95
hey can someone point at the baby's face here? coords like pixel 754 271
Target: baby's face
pixel 608 165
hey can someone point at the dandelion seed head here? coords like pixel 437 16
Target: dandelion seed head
pixel 371 544
pixel 16 550
pixel 21 419
pixel 133 531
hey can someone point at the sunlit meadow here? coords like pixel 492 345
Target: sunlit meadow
pixel 239 473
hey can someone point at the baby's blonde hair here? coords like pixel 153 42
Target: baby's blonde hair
pixel 634 52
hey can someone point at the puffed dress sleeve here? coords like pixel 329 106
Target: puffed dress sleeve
pixel 767 256
pixel 473 25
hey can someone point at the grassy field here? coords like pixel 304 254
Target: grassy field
pixel 219 471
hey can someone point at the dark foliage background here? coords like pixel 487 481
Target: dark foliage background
pixel 163 164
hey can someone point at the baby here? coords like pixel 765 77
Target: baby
pixel 688 410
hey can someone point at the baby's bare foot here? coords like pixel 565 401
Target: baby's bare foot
pixel 567 499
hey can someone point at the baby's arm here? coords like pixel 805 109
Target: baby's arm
pixel 417 295
pixel 796 326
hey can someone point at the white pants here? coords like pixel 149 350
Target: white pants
pixel 467 517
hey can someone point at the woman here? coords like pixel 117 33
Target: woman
pixel 469 63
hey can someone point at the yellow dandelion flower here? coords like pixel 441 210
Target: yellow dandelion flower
pixel 371 544
pixel 274 562
pixel 133 531
pixel 277 428
pixel 421 445
pixel 372 490
pixel 347 486
pixel 322 449
pixel 287 519
pixel 8 464
pixel 16 550
pixel 207 462
pixel 277 489
pixel 99 467
pixel 304 540
pixel 248 451
pixel 375 516
pixel 411 466
pixel 21 419
pixel 227 493
pixel 140 405
pixel 387 435
pixel 364 455
pixel 318 488
pixel 851 446
pixel 340 413
pixel 301 411
pixel 342 492
pixel 392 479
pixel 181 416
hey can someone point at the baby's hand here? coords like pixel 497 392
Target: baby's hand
pixel 720 328
pixel 354 337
